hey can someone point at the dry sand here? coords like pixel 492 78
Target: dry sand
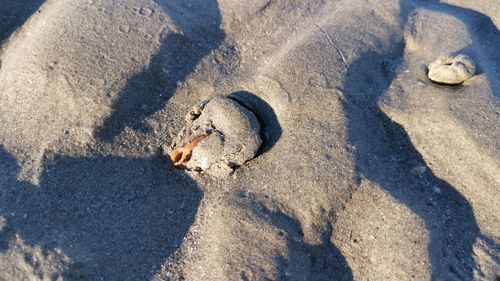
pixel 368 170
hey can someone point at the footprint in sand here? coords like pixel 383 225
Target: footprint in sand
pixel 219 136
pixel 452 70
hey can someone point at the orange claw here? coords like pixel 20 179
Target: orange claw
pixel 180 156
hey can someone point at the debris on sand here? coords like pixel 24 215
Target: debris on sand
pixel 181 155
pixel 220 135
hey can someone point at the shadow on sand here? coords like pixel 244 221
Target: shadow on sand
pixel 116 218
pixel 270 126
pixel 14 13
pixel 150 90
pixel 385 155
pixel 304 261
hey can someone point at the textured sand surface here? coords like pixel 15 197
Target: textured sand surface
pixel 367 171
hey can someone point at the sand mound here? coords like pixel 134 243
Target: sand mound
pixel 367 170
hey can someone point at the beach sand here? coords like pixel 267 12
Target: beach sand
pixel 367 169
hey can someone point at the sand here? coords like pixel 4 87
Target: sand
pixel 367 171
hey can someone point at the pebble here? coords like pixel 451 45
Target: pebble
pixel 436 189
pixel 418 170
pixel 452 70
